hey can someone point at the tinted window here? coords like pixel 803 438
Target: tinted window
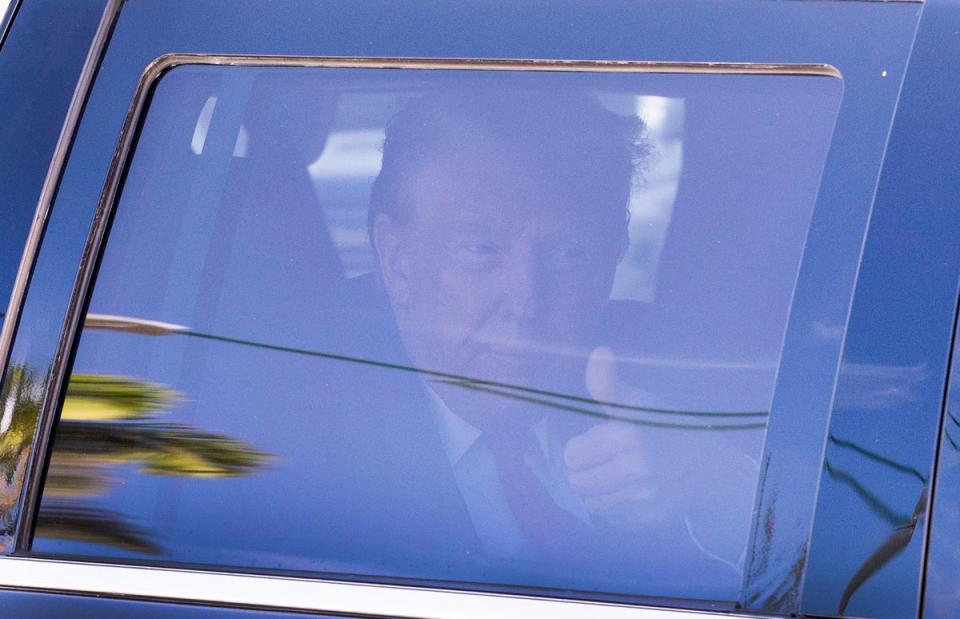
pixel 494 327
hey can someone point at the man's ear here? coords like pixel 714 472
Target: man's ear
pixel 392 258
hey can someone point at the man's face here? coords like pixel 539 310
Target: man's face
pixel 496 280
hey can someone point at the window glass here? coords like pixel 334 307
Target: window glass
pixel 501 328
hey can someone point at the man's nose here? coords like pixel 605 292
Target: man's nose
pixel 524 292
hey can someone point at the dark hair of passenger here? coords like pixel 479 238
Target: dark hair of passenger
pixel 561 139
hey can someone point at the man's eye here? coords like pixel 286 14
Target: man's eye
pixel 478 254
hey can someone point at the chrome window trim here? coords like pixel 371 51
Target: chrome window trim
pixel 168 61
pixel 303 594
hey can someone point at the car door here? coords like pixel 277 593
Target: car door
pixel 226 392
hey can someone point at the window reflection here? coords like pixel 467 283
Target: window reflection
pixel 108 423
pixel 504 328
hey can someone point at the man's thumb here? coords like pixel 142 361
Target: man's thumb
pixel 602 374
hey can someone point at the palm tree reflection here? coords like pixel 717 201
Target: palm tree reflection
pixel 19 404
pixel 109 421
pixel 88 524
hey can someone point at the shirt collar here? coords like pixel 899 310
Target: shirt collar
pixel 457 435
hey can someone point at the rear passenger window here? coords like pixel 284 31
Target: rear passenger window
pixel 499 328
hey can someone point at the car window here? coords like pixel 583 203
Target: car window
pixel 501 327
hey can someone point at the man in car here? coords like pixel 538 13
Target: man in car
pixel 498 220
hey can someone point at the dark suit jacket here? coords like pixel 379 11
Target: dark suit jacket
pixel 390 498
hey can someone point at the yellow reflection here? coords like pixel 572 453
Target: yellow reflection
pixel 109 421
pixel 93 397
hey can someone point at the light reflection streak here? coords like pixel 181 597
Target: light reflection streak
pixel 203 126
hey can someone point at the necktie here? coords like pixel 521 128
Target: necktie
pixel 551 530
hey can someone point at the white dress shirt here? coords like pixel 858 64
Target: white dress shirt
pixel 475 470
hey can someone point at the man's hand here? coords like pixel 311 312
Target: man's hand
pixel 607 467
pixel 610 466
